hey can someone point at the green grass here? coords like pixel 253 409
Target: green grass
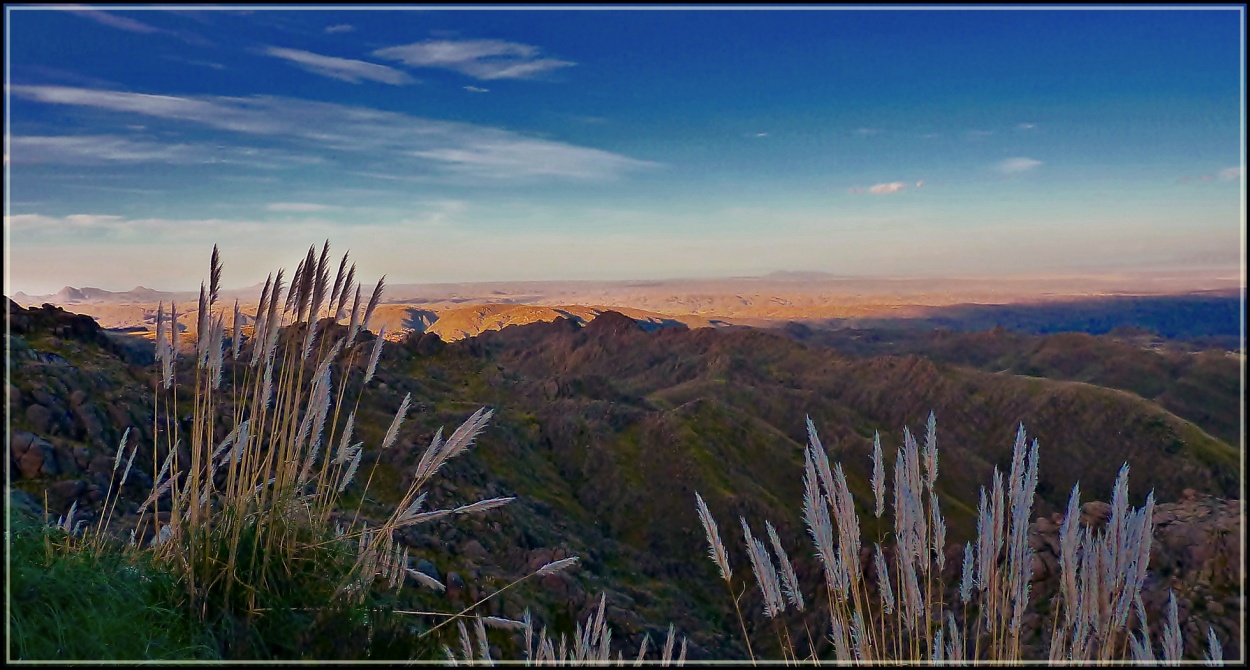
pixel 79 606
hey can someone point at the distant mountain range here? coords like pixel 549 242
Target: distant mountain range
pixel 456 311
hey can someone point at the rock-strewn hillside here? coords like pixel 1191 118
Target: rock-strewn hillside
pixel 605 431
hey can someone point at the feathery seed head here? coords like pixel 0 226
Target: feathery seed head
pixel 883 581
pixel 202 327
pixel 939 531
pixel 878 474
pixel 393 431
pixel 1215 651
pixel 1173 643
pixel 377 351
pixel 346 439
pixel 354 328
pixel 716 550
pixel 966 581
pixel 483 505
pixel 348 281
pixel 930 450
pixel 765 573
pixel 173 332
pixel 789 580
pixel 338 285
pixel 236 337
pixel 556 566
pixel 425 580
pixel 214 277
pixel 121 447
pixel 373 301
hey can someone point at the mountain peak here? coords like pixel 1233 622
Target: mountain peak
pixel 613 323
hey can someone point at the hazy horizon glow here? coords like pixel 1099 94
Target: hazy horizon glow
pixel 511 144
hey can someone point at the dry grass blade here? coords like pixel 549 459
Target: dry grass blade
pixel 483 505
pixel 555 566
pixel 415 519
pixel 426 580
pixel 502 623
pixel 716 550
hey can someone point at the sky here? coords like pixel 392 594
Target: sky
pixel 443 145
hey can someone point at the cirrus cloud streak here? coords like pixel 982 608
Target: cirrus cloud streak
pixel 480 59
pixel 361 136
pixel 343 69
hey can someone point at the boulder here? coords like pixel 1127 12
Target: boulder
pixel 32 456
pixel 39 418
pixel 425 567
pixel 66 462
pixel 64 493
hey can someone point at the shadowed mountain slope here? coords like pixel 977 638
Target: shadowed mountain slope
pixel 605 431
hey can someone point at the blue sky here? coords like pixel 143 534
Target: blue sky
pixel 454 145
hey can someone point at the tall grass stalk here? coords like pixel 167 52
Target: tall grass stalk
pixel 1101 580
pixel 245 515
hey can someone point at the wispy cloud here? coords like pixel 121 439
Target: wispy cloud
pixel 131 25
pixel 369 137
pixel 1026 126
pixel 299 207
pixel 476 89
pixel 201 63
pixel 343 69
pixel 480 59
pixel 1231 174
pixel 104 149
pixel 340 28
pixel 887 189
pixel 114 21
pixel 1017 165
